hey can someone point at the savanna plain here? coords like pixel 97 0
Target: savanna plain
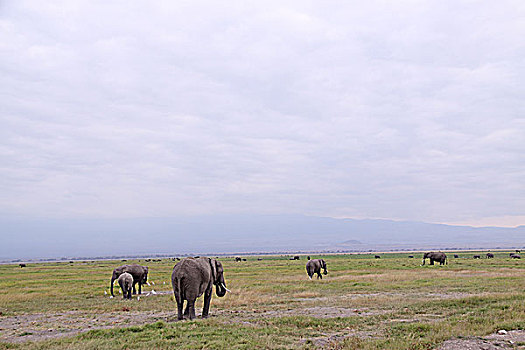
pixel 363 303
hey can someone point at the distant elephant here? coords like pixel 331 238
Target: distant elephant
pixel 125 282
pixel 237 259
pixel 456 256
pixel 516 256
pixel 139 274
pixel 296 257
pixel 477 256
pixel 435 256
pixel 22 265
pixel 411 256
pixel 490 256
pixel 377 257
pixel 315 266
pixel 191 278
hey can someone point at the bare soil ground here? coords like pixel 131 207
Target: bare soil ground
pixel 42 326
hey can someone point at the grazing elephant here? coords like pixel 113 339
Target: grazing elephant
pixel 477 257
pixel 22 265
pixel 191 278
pixel 490 256
pixel 315 266
pixel 456 256
pixel 125 282
pixel 435 256
pixel 139 274
pixel 515 256
pixel 377 257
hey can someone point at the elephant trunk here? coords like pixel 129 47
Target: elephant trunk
pixel 220 290
pixel 113 278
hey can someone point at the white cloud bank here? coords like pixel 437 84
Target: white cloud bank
pixel 403 110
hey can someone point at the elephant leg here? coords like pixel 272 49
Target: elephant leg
pixel 207 300
pixel 187 310
pixel 134 290
pixel 140 288
pixel 191 309
pixel 180 306
pixel 431 261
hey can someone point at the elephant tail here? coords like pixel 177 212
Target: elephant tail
pixel 179 290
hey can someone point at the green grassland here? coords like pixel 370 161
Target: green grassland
pixel 363 303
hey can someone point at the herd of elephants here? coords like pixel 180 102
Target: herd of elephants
pixel 193 277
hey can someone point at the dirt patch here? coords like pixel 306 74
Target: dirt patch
pixel 35 327
pixel 511 340
pixel 317 312
pixel 330 341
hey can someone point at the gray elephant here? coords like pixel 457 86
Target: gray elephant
pixel 435 256
pixel 193 277
pixel 490 256
pixel 139 274
pixel 315 266
pixel 125 282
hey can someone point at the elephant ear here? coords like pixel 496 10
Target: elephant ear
pixel 213 264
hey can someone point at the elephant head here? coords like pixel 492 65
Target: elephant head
pixel 116 274
pixel 217 275
pixel 323 266
pixel 426 256
pixel 145 277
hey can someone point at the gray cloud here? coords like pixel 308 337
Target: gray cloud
pixel 395 110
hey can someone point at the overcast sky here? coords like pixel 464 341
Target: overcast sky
pixel 406 110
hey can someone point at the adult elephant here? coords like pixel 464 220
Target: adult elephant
pixel 139 273
pixel 193 277
pixel 435 256
pixel 315 266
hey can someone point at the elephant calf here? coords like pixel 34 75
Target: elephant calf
pixel 125 282
pixel 315 266
pixel 191 278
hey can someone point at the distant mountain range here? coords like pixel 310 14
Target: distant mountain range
pixel 44 238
